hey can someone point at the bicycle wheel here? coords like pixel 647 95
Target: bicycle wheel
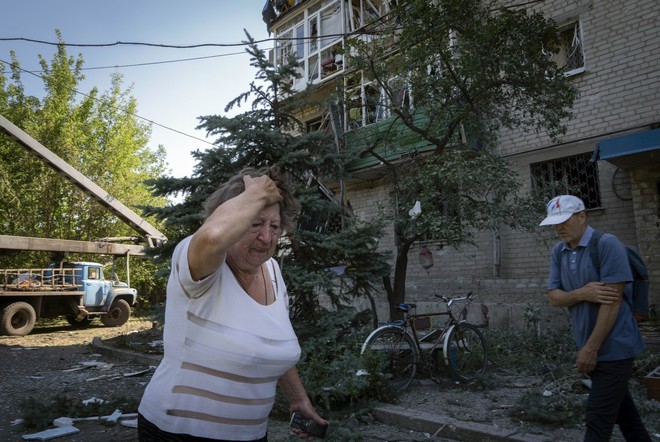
pixel 395 353
pixel 466 352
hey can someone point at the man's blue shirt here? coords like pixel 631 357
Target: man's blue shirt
pixel 571 269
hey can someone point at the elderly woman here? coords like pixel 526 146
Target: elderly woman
pixel 228 338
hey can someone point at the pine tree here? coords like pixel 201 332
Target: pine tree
pixel 330 253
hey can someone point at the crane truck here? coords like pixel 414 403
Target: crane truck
pixel 77 290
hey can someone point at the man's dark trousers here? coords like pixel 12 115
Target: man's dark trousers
pixel 610 402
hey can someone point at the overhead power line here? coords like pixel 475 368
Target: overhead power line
pixel 163 62
pixel 118 108
pixel 365 30
pixel 130 43
pixel 153 63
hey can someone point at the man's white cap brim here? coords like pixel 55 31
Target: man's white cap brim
pixel 555 219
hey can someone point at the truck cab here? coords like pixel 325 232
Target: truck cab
pixel 88 278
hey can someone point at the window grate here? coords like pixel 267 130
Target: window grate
pixel 573 175
pixel 571 50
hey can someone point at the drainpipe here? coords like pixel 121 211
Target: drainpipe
pixel 497 252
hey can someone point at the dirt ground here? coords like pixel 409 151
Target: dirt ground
pixel 58 361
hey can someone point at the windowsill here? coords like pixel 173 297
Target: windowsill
pixel 576 72
pixel 595 211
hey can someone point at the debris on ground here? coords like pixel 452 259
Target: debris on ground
pixel 53 433
pixel 93 400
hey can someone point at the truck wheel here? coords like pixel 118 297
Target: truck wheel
pixel 17 319
pixel 83 323
pixel 117 315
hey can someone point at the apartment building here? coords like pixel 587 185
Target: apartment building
pixel 611 150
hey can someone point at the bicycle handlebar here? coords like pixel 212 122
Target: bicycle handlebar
pixel 406 307
pixel 448 300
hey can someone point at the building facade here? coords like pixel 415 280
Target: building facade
pixel 611 150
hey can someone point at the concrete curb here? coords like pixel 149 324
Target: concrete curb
pixel 444 426
pixel 126 355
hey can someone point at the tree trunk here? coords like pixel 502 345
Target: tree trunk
pixel 397 294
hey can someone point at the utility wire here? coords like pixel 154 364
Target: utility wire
pixel 128 43
pixel 200 45
pixel 152 63
pixel 364 30
pixel 117 107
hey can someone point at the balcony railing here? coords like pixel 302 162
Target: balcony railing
pixel 390 139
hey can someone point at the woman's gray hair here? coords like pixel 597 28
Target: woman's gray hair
pixel 289 206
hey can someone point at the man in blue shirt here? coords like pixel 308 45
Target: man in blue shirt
pixel 604 328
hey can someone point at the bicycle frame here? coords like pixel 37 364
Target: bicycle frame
pixel 407 324
pixel 443 333
pixel 405 345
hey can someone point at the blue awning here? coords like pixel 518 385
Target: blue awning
pixel 630 150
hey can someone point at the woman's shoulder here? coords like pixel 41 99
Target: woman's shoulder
pixel 180 247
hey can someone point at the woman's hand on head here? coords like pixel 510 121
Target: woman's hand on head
pixel 264 185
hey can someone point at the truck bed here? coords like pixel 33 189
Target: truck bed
pixel 40 280
pixel 41 293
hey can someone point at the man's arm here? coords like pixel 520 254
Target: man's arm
pixel 597 292
pixel 607 313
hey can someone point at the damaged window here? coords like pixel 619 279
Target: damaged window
pixel 368 102
pixel 315 38
pixel 571 49
pixel 364 103
pixel 364 12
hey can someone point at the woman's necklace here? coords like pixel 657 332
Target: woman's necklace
pixel 240 282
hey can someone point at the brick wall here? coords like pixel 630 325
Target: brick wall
pixel 618 94
pixel 619 90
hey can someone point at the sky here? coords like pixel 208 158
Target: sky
pixel 172 94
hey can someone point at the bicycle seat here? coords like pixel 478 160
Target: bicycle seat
pixel 405 307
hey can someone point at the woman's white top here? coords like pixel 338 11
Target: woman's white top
pixel 223 355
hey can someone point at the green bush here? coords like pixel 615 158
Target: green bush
pixel 329 368
pixel 528 353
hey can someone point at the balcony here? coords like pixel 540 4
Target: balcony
pixel 393 140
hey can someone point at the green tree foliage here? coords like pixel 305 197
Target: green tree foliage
pixel 99 135
pixel 466 69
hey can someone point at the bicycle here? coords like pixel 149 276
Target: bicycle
pixel 401 349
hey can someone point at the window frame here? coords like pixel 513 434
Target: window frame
pixel 562 59
pixel 319 57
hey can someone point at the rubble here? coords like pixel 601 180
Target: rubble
pixel 53 433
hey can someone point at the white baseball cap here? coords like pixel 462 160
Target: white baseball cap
pixel 561 208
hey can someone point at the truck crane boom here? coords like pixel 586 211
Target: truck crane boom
pixel 152 236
